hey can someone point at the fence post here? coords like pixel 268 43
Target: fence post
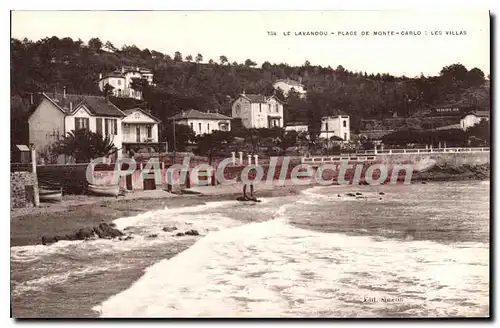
pixel 241 157
pixel 33 158
pixel 170 180
pixel 390 151
pixel 233 155
pixel 188 178
pixel 213 177
pixel 36 196
pixel 375 149
pixel 256 159
pixel 249 157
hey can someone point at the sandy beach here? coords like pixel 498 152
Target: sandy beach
pixel 28 225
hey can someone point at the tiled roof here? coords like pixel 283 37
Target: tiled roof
pixel 256 98
pixel 290 82
pixel 113 74
pixel 130 111
pixel 479 113
pixel 119 72
pixel 98 105
pixel 196 114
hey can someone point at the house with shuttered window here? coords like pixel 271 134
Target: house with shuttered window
pixel 58 114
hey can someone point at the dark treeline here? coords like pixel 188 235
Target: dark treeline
pixel 186 81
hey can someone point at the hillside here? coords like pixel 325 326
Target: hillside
pixel 190 81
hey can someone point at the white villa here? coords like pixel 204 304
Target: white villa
pixel 121 79
pixel 335 126
pixel 203 123
pixel 258 111
pixel 287 85
pixel 139 128
pixel 472 118
pixel 58 114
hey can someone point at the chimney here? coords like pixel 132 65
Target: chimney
pixel 64 92
pixel 70 105
pixel 100 76
pixel 31 98
pixel 300 79
pixel 243 91
pixel 123 69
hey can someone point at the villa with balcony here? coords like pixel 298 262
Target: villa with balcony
pixel 121 80
pixel 140 133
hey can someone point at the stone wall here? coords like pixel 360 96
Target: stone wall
pixel 448 158
pixel 23 189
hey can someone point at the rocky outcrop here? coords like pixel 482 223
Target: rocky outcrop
pixel 454 172
pixel 103 230
pixel 191 232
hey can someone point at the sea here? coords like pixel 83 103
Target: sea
pixel 390 251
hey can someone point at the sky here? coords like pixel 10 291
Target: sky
pixel 245 34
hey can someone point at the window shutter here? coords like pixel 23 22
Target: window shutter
pixel 115 123
pixel 106 126
pixel 98 123
pixel 76 123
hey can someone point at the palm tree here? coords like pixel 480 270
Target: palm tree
pixel 84 145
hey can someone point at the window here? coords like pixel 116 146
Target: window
pixel 138 133
pixel 277 108
pixel 191 124
pixel 110 126
pixel 81 123
pixel 326 126
pixel 208 127
pixel 345 136
pixel 260 108
pixel 270 108
pixel 199 127
pixel 238 110
pixel 98 125
pixel 150 131
pixel 345 124
pixel 119 82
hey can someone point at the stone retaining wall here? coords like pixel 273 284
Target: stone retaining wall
pixel 23 189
